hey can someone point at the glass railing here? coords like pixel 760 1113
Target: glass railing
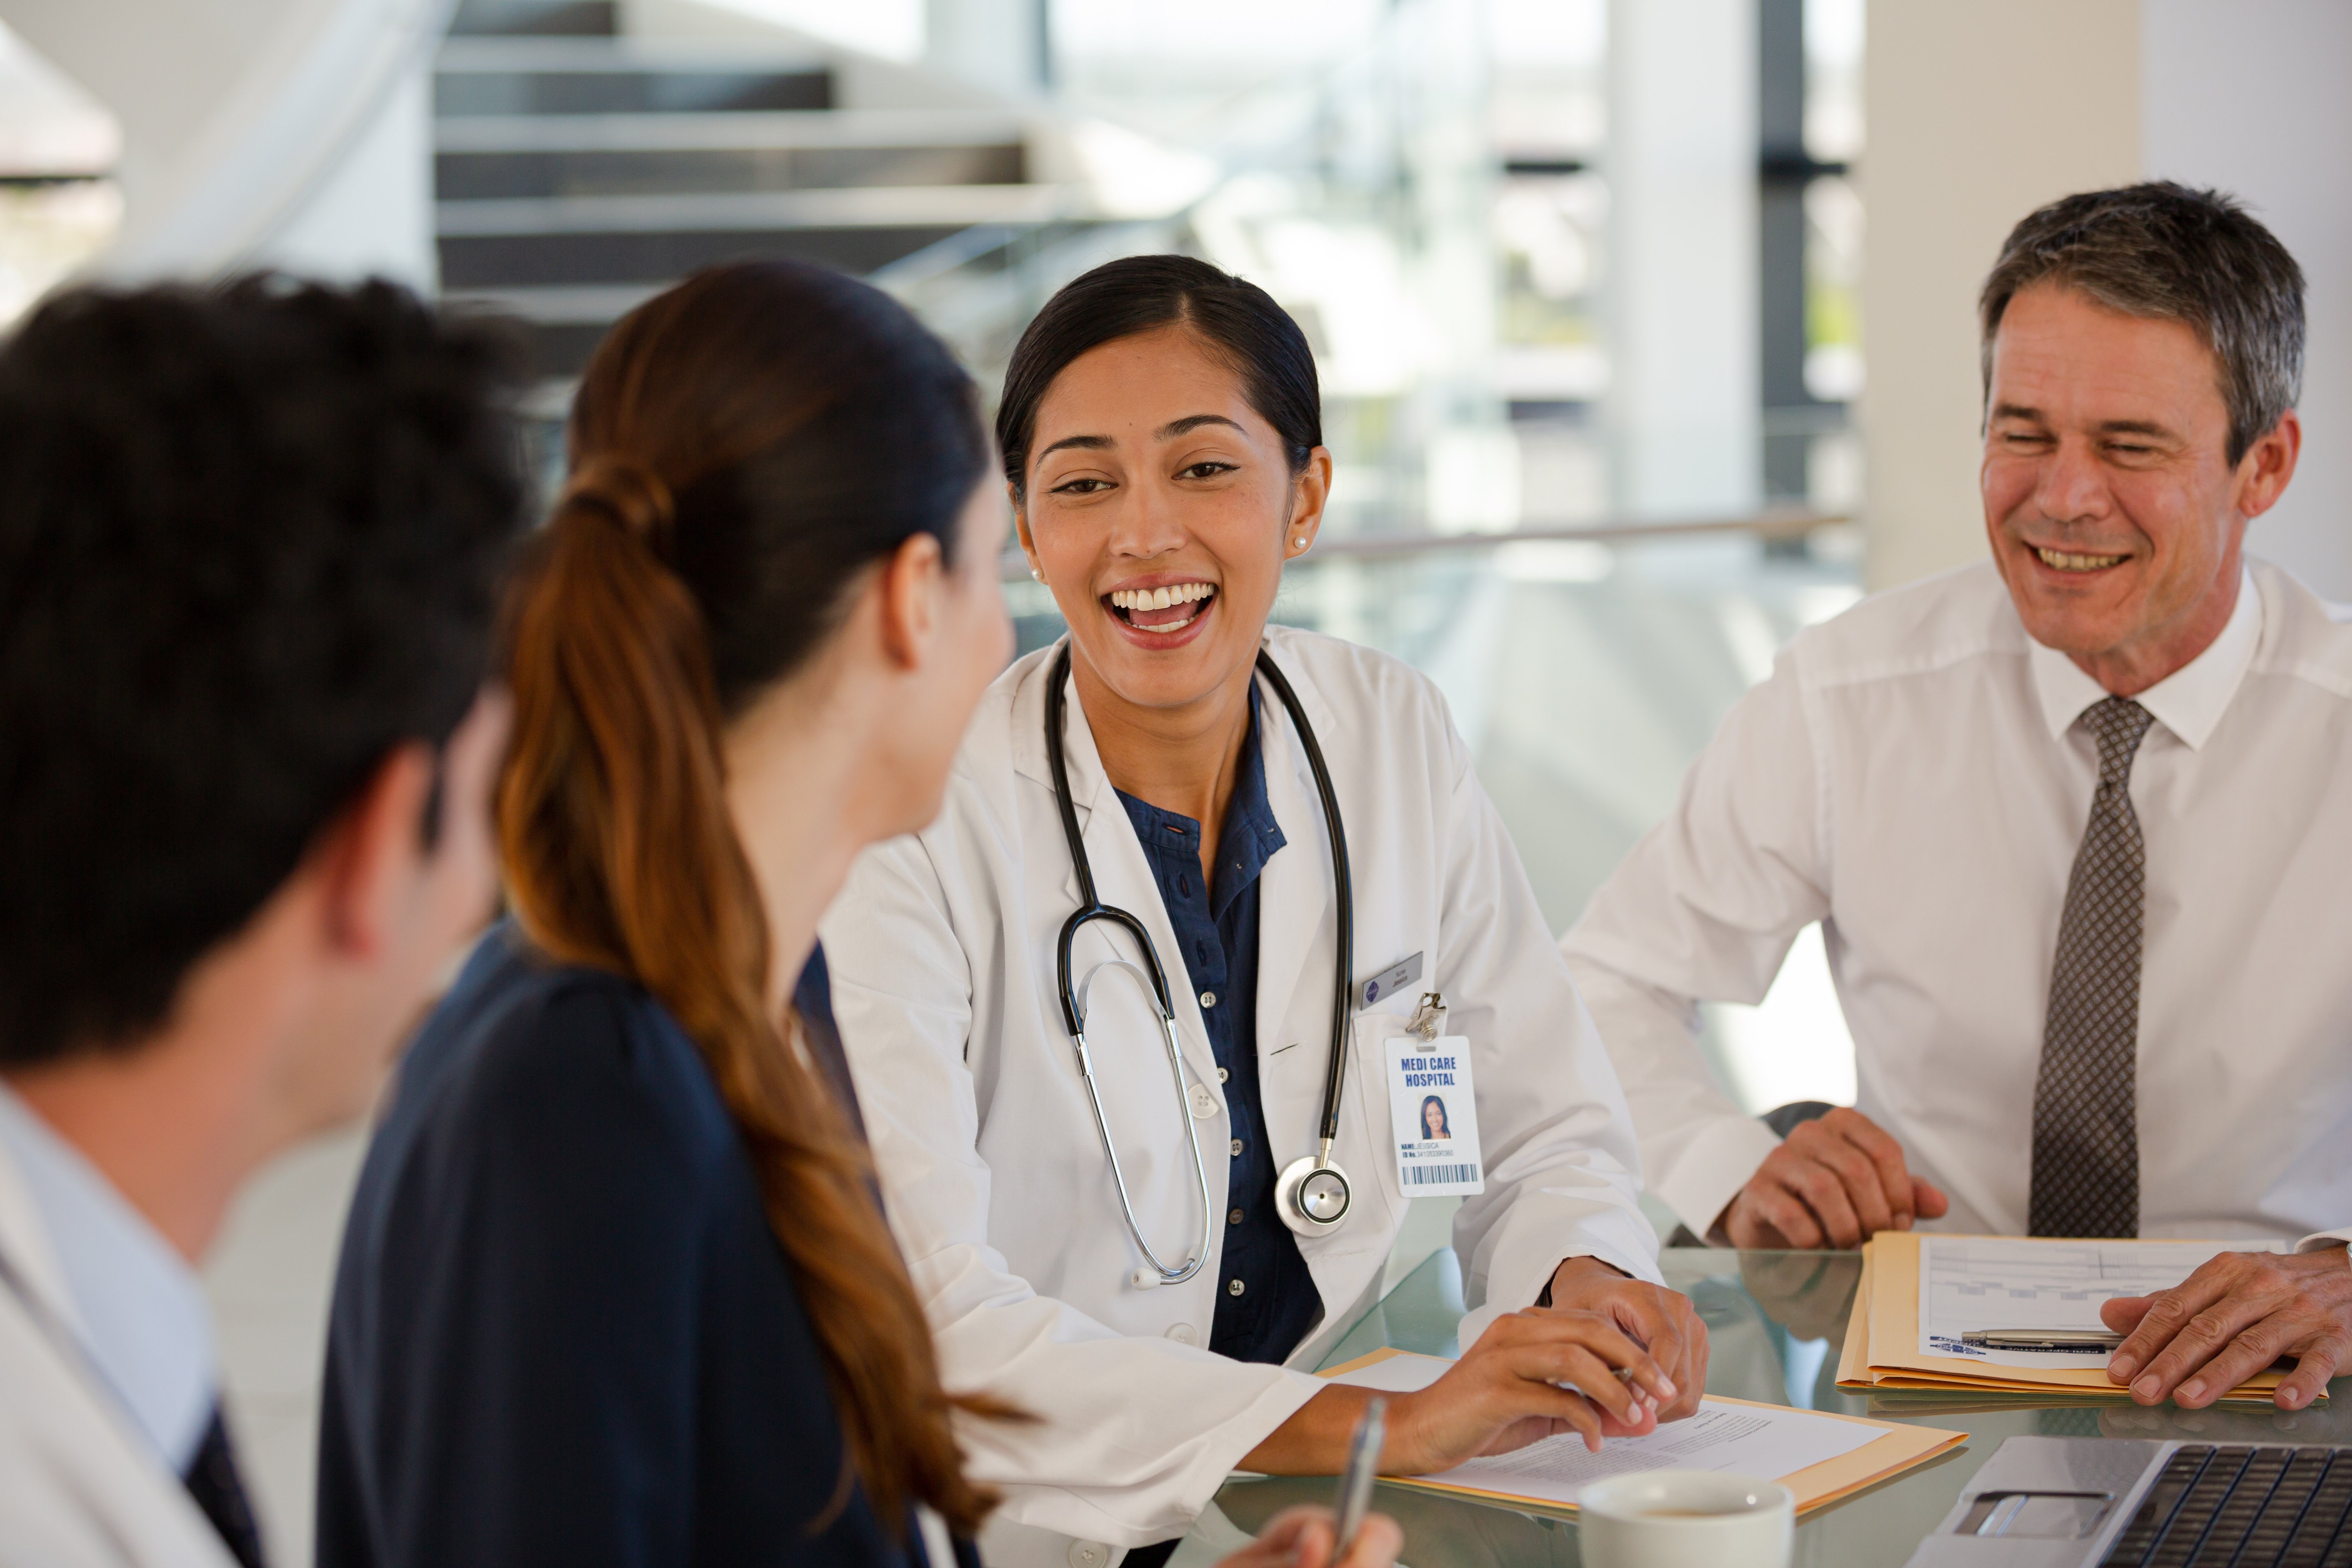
pixel 1586 669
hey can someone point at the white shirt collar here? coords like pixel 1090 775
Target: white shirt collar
pixel 2189 701
pixel 138 1310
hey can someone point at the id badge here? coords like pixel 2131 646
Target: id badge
pixel 1433 1116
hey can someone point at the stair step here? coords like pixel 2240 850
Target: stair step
pixel 559 16
pixel 589 76
pixel 501 156
pixel 498 52
pixel 561 324
pixel 470 176
pixel 733 129
pixel 880 206
pixel 628 92
pixel 557 304
pixel 503 261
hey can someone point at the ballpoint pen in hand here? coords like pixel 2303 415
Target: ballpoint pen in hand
pixel 1355 1497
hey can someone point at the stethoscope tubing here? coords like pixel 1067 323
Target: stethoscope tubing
pixel 1091 908
pixel 1335 1072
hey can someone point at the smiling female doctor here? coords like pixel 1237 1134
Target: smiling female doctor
pixel 1141 1160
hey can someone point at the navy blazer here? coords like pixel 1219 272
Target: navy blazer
pixel 563 1332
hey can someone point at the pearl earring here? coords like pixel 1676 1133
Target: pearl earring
pixel 1035 573
pixel 1300 542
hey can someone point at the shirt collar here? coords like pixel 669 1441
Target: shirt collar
pixel 138 1311
pixel 2189 701
pixel 1250 835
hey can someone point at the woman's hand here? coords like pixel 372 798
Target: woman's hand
pixel 1507 1392
pixel 1504 1393
pixel 1304 1536
pixel 1659 1321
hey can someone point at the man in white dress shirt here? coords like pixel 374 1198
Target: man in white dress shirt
pixel 2077 825
pixel 249 549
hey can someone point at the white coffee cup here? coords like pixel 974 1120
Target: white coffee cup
pixel 1685 1519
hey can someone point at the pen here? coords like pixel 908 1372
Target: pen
pixel 2081 1341
pixel 1356 1482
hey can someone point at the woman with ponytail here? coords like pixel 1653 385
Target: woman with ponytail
pixel 617 1286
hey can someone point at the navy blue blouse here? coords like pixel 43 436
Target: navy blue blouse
pixel 563 1332
pixel 1266 1300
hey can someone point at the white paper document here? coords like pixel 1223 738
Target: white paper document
pixel 1975 1283
pixel 1756 1440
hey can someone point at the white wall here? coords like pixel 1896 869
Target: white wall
pixel 2252 97
pixel 371 214
pixel 258 131
pixel 1977 113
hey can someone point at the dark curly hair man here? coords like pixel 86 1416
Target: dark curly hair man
pixel 251 544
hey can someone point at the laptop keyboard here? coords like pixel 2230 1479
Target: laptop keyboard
pixel 2250 1507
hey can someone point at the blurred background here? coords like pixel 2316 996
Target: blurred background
pixel 1645 327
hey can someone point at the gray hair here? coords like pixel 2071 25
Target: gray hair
pixel 2164 252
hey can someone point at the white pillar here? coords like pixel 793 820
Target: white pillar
pixel 2250 98
pixel 1470 458
pixel 1977 114
pixel 1680 289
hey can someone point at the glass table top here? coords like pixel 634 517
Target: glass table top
pixel 1775 1320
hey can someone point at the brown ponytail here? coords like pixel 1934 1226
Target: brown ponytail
pixel 698 554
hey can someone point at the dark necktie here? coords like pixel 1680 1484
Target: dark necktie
pixel 213 1481
pixel 2085 1103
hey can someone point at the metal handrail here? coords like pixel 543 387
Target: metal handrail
pixel 1772 523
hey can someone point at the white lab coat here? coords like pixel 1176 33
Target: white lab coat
pixel 79 1486
pixel 942 949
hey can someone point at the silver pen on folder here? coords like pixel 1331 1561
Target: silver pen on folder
pixel 2081 1341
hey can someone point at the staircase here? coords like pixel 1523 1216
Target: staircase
pixel 579 172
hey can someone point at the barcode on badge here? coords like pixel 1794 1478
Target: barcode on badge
pixel 1427 1175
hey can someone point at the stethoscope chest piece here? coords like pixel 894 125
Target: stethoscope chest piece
pixel 1312 1195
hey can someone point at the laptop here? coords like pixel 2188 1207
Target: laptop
pixel 2077 1503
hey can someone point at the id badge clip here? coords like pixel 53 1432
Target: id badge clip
pixel 1433 1107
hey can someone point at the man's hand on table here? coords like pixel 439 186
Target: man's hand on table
pixel 2236 1315
pixel 1833 1182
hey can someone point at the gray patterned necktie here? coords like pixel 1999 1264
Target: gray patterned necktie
pixel 2086 1104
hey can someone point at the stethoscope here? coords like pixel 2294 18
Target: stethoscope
pixel 1312 1195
